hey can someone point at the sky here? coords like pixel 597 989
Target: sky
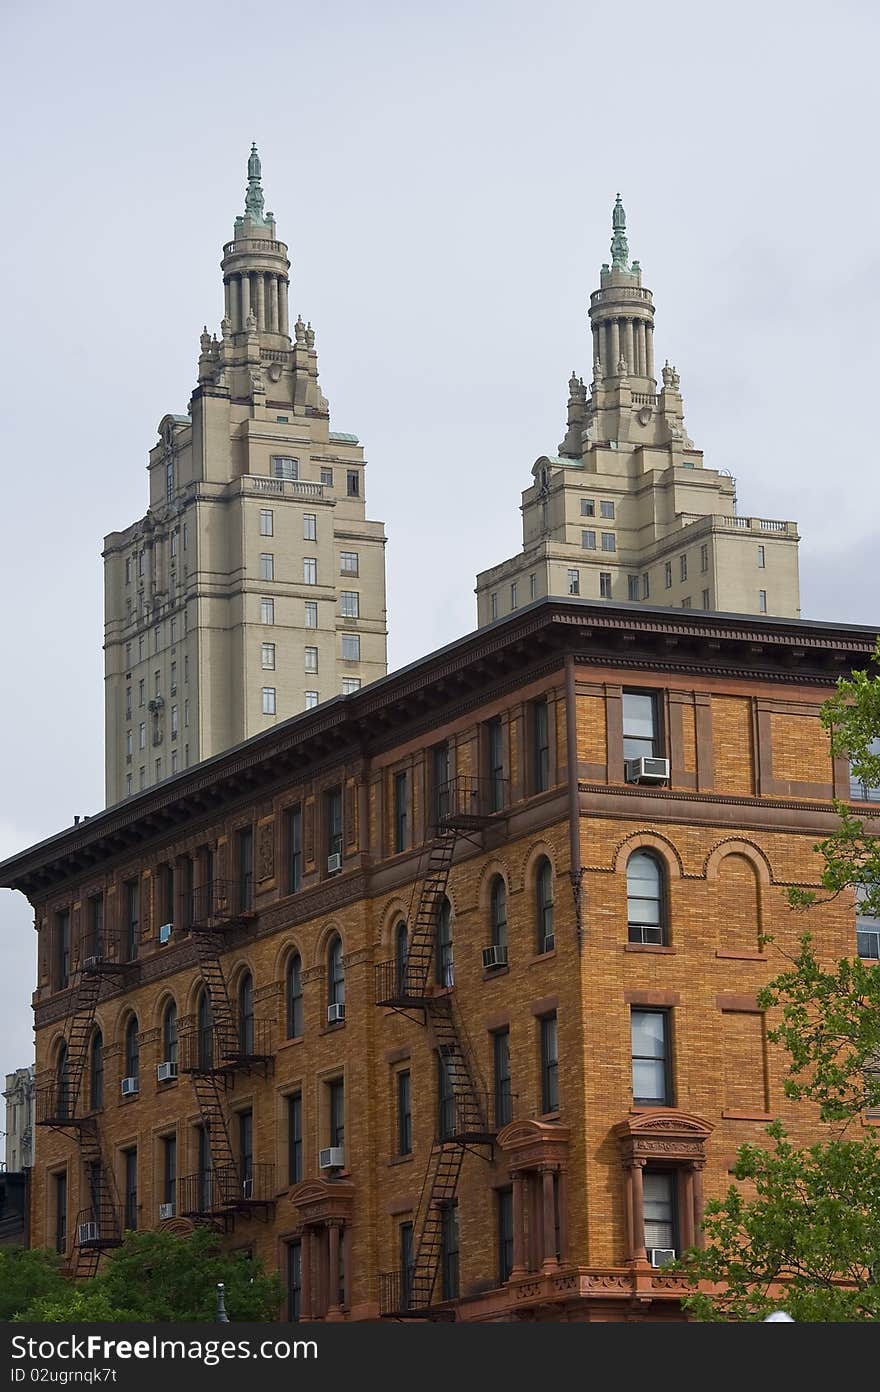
pixel 444 177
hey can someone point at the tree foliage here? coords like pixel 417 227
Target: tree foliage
pixel 806 1232
pixel 27 1275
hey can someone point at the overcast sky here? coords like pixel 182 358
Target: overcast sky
pixel 444 177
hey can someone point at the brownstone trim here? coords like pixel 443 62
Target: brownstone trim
pixel 406 1204
pixel 746 1116
pixel 545 1006
pixel 742 956
pixel 650 947
pixel 397 1055
pixel 614 733
pixel 496 1022
pixel 661 998
pixel 744 1004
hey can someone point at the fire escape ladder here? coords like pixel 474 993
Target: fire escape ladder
pixel 423 924
pixel 471 1122
pixel 209 1096
pixel 99 1225
pixel 225 1028
pixel 78 1033
pixel 438 1192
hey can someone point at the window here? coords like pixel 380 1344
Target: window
pixel 294 997
pixel 445 971
pixel 353 483
pixel 348 562
pixel 267 565
pixel 205 1177
pixel 174 679
pixel 185 535
pixel 132 919
pixel 493 605
pixel 640 735
pixel 311 658
pixel 867 928
pixel 311 613
pixel 294 1138
pixel 658 1190
pixel 449 1252
pixel 62 949
pixel 333 822
pixel 142 735
pixel 632 587
pixel 351 647
pixel 440 778
pixel 404 1114
pixel 335 972
pixel 606 509
pixel 604 584
pixel 686 603
pixel 588 507
pixel 61 1212
pixel 157 636
pixel 858 790
pixel 173 542
pixel 311 699
pixel 650 1058
pixel 142 647
pixel 498 913
pixel 501 1067
pixel 175 761
pixel 95 944
pixel 401 829
pixel 245 850
pixel 609 541
pixel 284 468
pixel 246 1149
pixel 336 1099
pixel 158 770
pixel 549 1064
pixel 327 478
pixel 683 567
pixel 267 522
pixel 267 656
pixel 169 1168
pixel 513 589
pixel 310 526
pixel 574 582
pixel 533 586
pixel 169 1033
pixel 349 604
pixel 310 570
pixel 205 1031
pixel 401 948
pixel 128 570
pixel 294 849
pixel 128 785
pixel 175 722
pixel 646 586
pixel 541 746
pixel 130 1187
pixel 407 1263
pixel 495 763
pixel 761 558
pixel 762 601
pixel 544 905
pixel 268 700
pixel 294 1281
pixel 504 1199
pixel 141 564
pixel 62 1081
pixel 445 1093
pixel 132 1049
pixel 96 1073
pixel 588 541
pixel 704 558
pixel 644 899
pixel 267 610
pixel 186 722
pixel 142 778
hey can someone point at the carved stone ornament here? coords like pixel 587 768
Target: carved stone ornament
pixel 665 1132
pixel 266 851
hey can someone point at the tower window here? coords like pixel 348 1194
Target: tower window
pixel 267 566
pixel 609 541
pixel 351 647
pixel 574 582
pixel 310 526
pixel 704 558
pixel 493 605
pixel 311 613
pixel 606 508
pixel 348 562
pixel 353 483
pixel 632 586
pixel 683 567
pixel 762 601
pixel 284 468
pixel 311 659
pixel 588 507
pixel 267 610
pixel 588 541
pixel 327 478
pixel 267 521
pixel 268 700
pixel 604 584
pixel 761 561
pixel 267 655
pixel 310 570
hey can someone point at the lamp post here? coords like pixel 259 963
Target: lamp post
pixel 221 1316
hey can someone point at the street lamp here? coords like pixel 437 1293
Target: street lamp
pixel 221 1316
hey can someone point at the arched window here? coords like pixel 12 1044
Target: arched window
pixel 62 1082
pixel 96 1072
pixel 132 1049
pixel 443 954
pixel 169 1033
pixel 246 1014
pixel 498 913
pixel 294 997
pixel 644 899
pixel 205 1031
pixel 544 905
pixel 401 948
pixel 335 972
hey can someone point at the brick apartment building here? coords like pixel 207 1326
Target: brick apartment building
pixel 434 1014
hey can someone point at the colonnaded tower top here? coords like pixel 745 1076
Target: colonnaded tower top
pixel 625 509
pixel 254 586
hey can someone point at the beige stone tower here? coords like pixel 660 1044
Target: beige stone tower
pixel 254 587
pixel 626 509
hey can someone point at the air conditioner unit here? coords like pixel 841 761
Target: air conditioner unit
pixel 335 1013
pixel 166 1071
pixel 646 770
pixel 91 964
pixel 130 1087
pixel 165 932
pixel 166 1210
pixel 661 1256
pixel 549 942
pixel 334 863
pixel 156 704
pixel 495 956
pixel 87 1232
pixel 333 1158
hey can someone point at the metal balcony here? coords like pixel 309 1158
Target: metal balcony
pixel 403 1294
pixel 216 1193
pixel 399 988
pixel 469 804
pixel 218 906
pixel 221 1050
pixel 98 1227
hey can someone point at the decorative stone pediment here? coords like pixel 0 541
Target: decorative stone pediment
pixel 320 1200
pixel 664 1133
pixel 530 1144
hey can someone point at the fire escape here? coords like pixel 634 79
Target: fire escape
pixel 59 1098
pixel 464 806
pixel 221 1042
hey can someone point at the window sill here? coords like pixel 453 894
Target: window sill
pixel 489 973
pixel 542 956
pixel 744 956
pixel 648 947
pixel 401 1159
pixel 167 1084
pixel 638 1107
pixel 289 1043
pixel 746 1116
pixel 334 1028
pixel 550 1116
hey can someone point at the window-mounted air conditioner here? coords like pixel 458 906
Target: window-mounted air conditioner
pixel 495 956
pixel 334 863
pixel 647 770
pixel 661 1256
pixel 166 1210
pixel 333 1158
pixel 87 1232
pixel 335 1013
pixel 166 1071
pixel 165 932
pixel 130 1087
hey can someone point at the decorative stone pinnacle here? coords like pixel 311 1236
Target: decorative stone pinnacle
pixel 253 199
pixel 619 244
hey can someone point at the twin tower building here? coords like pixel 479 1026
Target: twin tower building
pixel 254 586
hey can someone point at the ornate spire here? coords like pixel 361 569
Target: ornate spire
pixel 253 199
pixel 619 244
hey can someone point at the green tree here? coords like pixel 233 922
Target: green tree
pixel 75 1304
pixel 27 1275
pixel 811 1225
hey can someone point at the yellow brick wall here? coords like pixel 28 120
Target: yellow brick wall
pixel 801 748
pixel 591 729
pixel 732 744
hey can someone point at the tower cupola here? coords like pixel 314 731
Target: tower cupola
pixel 256 268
